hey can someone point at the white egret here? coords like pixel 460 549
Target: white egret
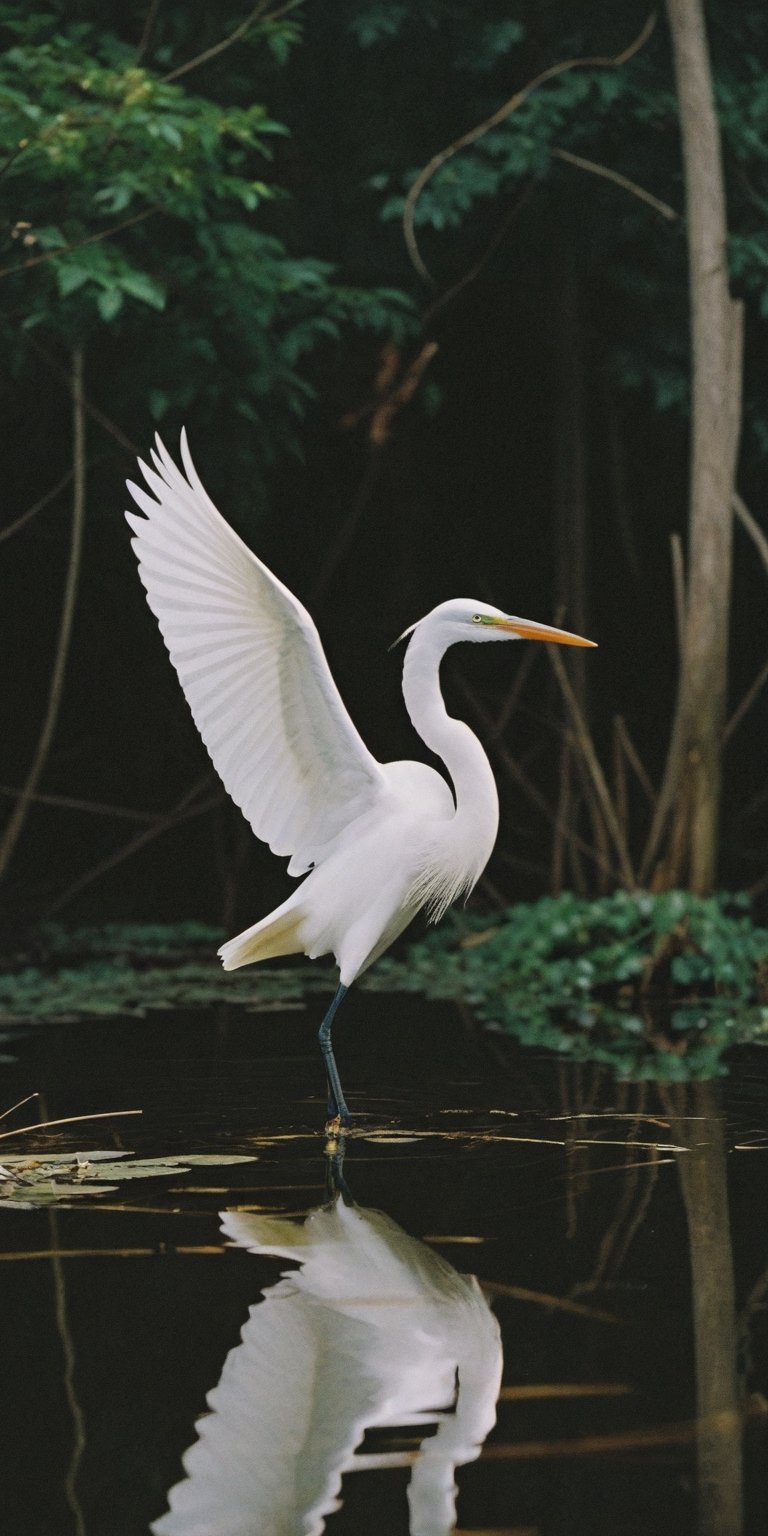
pixel 377 841
pixel 373 1331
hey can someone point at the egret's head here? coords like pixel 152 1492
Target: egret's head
pixel 464 619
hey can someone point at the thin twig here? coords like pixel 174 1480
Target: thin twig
pixel 514 691
pixel 92 807
pixel 392 397
pixel 678 583
pixel 746 703
pixel 562 828
pixel 233 37
pixel 517 774
pixel 94 411
pixel 45 1125
pixel 147 30
pixel 752 527
pixel 620 786
pixel 402 394
pixel 64 250
pixel 666 211
pixel 592 765
pixel 641 1209
pixel 37 506
pixel 474 271
pixel 126 851
pixel 635 761
pixel 503 112
pixel 19 814
pixel 19 1105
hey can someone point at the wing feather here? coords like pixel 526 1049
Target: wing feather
pixel 252 668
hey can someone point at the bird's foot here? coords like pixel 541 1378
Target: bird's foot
pixel 337 1124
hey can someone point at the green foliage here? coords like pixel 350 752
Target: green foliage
pixel 127 969
pixel 139 210
pixel 117 986
pixel 135 941
pixel 623 119
pixel 652 986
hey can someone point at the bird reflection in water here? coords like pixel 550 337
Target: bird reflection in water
pixel 372 1331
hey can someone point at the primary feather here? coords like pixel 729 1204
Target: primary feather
pixel 252 668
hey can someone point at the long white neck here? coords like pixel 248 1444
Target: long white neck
pixel 474 787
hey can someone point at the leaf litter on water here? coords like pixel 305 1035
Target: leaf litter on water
pixel 38 1179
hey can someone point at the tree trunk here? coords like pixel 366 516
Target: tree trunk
pixel 686 821
pixel 703 1182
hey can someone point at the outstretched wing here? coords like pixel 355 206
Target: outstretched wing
pixel 252 669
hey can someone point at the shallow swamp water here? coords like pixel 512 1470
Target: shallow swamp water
pixel 602 1373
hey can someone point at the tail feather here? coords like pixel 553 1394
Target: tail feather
pixel 279 934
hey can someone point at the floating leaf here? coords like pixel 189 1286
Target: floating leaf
pixel 39 1179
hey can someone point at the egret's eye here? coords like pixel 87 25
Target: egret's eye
pixel 477 618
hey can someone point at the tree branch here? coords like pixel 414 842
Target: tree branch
pixel 37 506
pixel 503 112
pixel 183 811
pixel 18 816
pixel 64 250
pixel 666 211
pixel 678 587
pixel 147 30
pixel 518 776
pixel 592 764
pixel 474 271
pixel 92 807
pixel 94 411
pixel 752 527
pixel 746 703
pixel 233 37
pixel 634 760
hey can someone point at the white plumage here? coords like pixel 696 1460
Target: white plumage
pixel 373 1330
pixel 379 841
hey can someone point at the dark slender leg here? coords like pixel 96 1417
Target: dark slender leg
pixel 335 1182
pixel 336 1105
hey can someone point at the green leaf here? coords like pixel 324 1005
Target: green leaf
pixel 142 286
pixel 70 276
pixel 109 303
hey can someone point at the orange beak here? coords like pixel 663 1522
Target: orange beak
pixel 527 629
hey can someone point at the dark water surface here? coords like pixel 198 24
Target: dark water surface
pixel 602 1376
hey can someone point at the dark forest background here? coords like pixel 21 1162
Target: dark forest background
pixel 202 225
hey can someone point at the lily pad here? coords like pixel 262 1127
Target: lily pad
pixel 30 1179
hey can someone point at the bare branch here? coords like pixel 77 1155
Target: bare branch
pixel 92 807
pixel 755 688
pixel 183 811
pixel 64 250
pixel 147 30
pixel 19 814
pixel 474 271
pixel 592 765
pixel 37 506
pixel 503 112
pixel 94 411
pixel 240 31
pixel 534 794
pixel 752 527
pixel 678 585
pixel 634 760
pixel 666 211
